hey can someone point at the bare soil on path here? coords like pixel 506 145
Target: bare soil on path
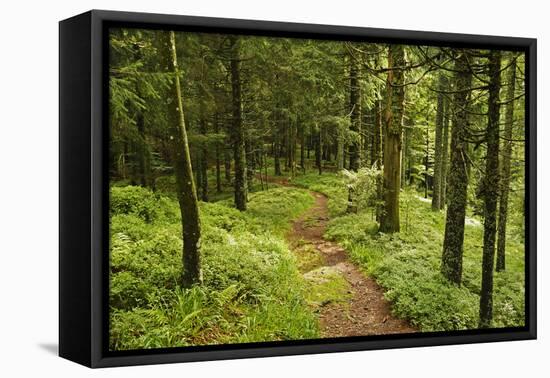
pixel 364 311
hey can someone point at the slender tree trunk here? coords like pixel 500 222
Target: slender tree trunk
pixel 250 162
pixel 451 260
pixel 393 120
pixel 490 193
pixel 444 156
pixel 203 163
pixel 355 110
pixel 204 131
pixel 505 172
pixel 405 155
pixel 265 171
pixel 239 154
pixel 277 150
pixel 218 160
pixel 227 165
pixel 142 150
pixel 376 156
pixel 437 183
pixel 196 165
pixel 302 149
pixel 340 153
pixel 191 230
pixel 143 159
pixel 319 151
pixel 426 161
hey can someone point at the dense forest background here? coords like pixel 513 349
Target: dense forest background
pixel 221 143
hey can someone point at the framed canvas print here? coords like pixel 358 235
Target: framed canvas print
pixel 234 188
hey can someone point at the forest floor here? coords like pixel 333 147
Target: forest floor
pixel 362 309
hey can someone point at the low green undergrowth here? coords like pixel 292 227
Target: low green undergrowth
pixel 407 264
pixel 252 287
pixel 330 184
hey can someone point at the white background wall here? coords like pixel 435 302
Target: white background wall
pixel 29 189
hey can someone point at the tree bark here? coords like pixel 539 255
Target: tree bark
pixel 355 111
pixel 239 154
pixel 393 122
pixel 302 149
pixel 490 193
pixel 505 172
pixel 218 160
pixel 191 230
pixel 451 260
pixel 444 156
pixel 227 165
pixel 319 151
pixel 438 158
pixel 204 131
pixel 340 152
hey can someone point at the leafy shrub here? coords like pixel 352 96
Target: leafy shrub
pixel 407 265
pixel 141 202
pixel 252 289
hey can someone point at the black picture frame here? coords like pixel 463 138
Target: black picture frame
pixel 83 194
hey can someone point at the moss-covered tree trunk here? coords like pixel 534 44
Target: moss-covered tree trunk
pixel 505 170
pixel 237 130
pixel 490 192
pixel 355 114
pixel 438 158
pixel 181 159
pixel 393 122
pixel 451 260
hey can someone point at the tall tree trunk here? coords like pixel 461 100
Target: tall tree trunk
pixel 393 121
pixel 191 230
pixel 227 165
pixel 196 165
pixel 250 162
pixel 302 149
pixel 490 193
pixel 319 151
pixel 143 158
pixel 340 152
pixel 451 260
pixel 142 151
pixel 355 110
pixel 239 154
pixel 203 155
pixel 405 154
pixel 218 160
pixel 376 156
pixel 438 158
pixel 204 164
pixel 444 156
pixel 277 149
pixel 426 161
pixel 505 172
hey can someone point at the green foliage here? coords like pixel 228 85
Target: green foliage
pixel 363 184
pixel 252 288
pixel 328 184
pixel 407 265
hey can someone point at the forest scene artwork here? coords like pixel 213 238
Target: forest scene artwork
pixel 266 189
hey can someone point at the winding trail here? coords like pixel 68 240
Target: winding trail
pixel 364 310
